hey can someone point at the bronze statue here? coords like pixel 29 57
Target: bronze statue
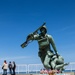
pixel 50 59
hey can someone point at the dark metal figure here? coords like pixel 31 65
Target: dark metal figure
pixel 49 58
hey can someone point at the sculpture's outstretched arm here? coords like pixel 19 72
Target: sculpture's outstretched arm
pixel 28 40
pixel 32 36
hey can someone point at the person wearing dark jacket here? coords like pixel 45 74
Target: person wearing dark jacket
pixel 10 67
pixel 13 67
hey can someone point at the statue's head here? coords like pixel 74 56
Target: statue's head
pixel 43 30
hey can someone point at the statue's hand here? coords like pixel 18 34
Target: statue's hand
pixel 24 44
pixel 29 36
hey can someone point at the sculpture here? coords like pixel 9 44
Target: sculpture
pixel 50 59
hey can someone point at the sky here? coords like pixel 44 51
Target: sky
pixel 18 18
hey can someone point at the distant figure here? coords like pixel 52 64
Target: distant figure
pixel 13 67
pixel 10 67
pixel 5 67
pixel 45 71
pixel 52 72
pixel 42 71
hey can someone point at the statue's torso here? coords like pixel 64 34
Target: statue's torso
pixel 43 42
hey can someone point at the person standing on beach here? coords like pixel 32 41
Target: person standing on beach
pixel 10 67
pixel 5 67
pixel 13 67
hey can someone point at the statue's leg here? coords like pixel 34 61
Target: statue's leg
pixel 60 63
pixel 46 62
pixel 47 59
pixel 42 56
pixel 53 64
pixel 61 66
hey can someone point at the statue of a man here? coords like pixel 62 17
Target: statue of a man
pixel 45 42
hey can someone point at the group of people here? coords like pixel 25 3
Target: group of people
pixel 50 72
pixel 11 66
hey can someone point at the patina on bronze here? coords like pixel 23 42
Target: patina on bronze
pixel 50 58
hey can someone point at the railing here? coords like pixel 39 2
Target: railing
pixel 35 68
pixel 70 67
pixel 24 68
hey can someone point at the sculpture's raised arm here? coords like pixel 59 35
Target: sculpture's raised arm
pixel 30 37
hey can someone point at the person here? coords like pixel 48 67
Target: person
pixel 44 71
pixel 13 67
pixel 45 41
pixel 41 71
pixel 5 67
pixel 10 67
